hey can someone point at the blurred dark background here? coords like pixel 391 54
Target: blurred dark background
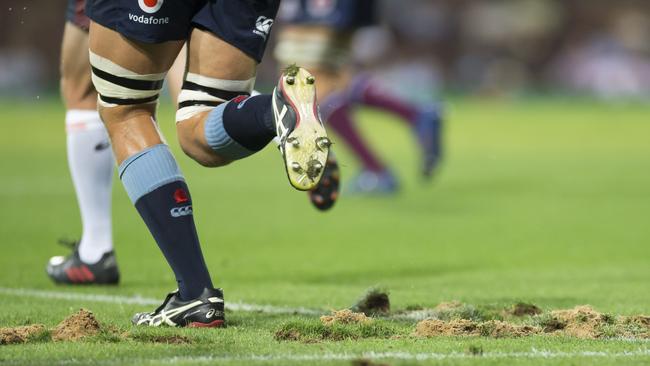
pixel 489 47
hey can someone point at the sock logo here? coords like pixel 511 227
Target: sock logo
pixel 242 99
pixel 181 211
pixel 180 196
pixel 102 146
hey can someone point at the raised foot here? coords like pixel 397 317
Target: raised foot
pixel 303 140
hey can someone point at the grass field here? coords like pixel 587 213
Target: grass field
pixel 543 201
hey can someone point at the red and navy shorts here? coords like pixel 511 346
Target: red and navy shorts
pixel 245 24
pixel 76 14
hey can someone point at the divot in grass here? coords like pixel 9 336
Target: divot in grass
pixel 579 322
pixel 22 334
pixel 82 326
pixel 345 316
pixel 79 325
pixel 374 302
pixel 523 309
pixel 465 327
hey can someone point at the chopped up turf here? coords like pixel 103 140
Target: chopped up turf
pixel 541 202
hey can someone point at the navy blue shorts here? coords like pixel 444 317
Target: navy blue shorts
pixel 338 14
pixel 75 13
pixel 245 24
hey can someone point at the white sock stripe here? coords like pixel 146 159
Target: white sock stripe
pixel 228 85
pixel 109 66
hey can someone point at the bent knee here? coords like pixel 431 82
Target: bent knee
pixel 196 149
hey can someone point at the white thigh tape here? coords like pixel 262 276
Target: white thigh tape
pixel 119 86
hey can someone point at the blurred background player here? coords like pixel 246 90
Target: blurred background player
pixel 90 160
pixel 319 34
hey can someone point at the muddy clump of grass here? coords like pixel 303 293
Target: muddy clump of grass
pixel 455 327
pixel 77 326
pixel 23 334
pixel 640 320
pixel 522 320
pixel 465 327
pixel 585 322
pixel 374 302
pixel 521 309
pixel 455 310
pixel 581 322
pixel 501 329
pixel 636 326
pixel 345 316
pixel 549 323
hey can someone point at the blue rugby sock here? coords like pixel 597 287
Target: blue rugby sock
pixel 240 127
pixel 157 188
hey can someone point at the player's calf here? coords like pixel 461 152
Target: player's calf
pixel 148 170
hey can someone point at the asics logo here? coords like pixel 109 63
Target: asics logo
pixel 181 211
pixel 263 26
pixel 209 314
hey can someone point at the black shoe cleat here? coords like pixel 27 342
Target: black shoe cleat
pixel 206 311
pixel 72 270
pixel 324 196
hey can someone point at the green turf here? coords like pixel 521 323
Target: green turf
pixel 544 201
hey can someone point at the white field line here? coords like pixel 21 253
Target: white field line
pixel 139 300
pixel 406 356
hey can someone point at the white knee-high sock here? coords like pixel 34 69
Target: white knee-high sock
pixel 91 165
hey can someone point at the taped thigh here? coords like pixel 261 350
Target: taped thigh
pixel 201 93
pixel 119 86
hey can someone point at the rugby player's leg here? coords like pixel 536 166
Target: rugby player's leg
pixel 91 166
pixel 176 75
pixel 375 176
pixel 219 122
pixel 211 62
pixel 128 76
pixel 424 120
pixel 89 154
